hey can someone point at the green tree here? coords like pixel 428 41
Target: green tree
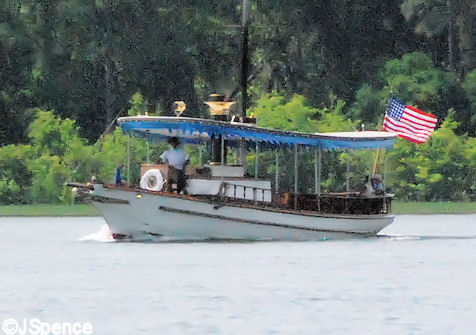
pixel 470 174
pixel 469 86
pixel 449 19
pixel 275 111
pixel 415 80
pixel 138 105
pixel 15 177
pixel 112 152
pixel 369 105
pixel 59 155
pixel 316 47
pixel 296 114
pixel 437 170
pixel 17 56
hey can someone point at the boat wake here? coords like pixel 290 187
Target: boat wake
pixel 424 237
pixel 103 235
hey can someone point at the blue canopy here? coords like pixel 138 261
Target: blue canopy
pixel 199 131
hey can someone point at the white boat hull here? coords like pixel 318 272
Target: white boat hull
pixel 184 219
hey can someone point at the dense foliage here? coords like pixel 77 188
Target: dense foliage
pixel 315 66
pixel 56 154
pixel 444 168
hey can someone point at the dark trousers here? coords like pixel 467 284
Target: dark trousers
pixel 176 176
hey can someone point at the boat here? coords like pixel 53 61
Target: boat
pixel 221 202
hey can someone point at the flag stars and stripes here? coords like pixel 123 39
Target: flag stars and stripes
pixel 409 122
pixel 396 110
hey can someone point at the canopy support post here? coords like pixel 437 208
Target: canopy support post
pixel 128 160
pixel 347 174
pixel 242 153
pixel 256 160
pixel 200 156
pixel 317 175
pixel 276 175
pixel 147 152
pixel 371 164
pixel 296 176
pixel 222 148
pixel 384 180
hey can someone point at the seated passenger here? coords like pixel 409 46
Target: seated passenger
pixel 177 160
pixel 368 188
pixel 377 184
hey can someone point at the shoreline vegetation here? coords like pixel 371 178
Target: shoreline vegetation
pixel 49 210
pixel 399 207
pixel 69 69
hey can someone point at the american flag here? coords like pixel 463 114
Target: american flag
pixel 408 122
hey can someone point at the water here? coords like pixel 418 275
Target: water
pixel 419 278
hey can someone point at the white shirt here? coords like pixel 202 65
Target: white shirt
pixel 175 157
pixel 369 189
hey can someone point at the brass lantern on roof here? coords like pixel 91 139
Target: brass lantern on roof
pixel 219 109
pixel 179 107
pixel 218 105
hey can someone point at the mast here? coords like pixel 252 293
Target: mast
pixel 244 59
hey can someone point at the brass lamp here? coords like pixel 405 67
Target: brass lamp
pixel 219 109
pixel 218 105
pixel 179 107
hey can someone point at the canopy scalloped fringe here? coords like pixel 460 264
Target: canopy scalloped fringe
pixel 200 131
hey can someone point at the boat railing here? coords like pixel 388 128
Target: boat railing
pixel 242 193
pixel 326 203
pixel 341 203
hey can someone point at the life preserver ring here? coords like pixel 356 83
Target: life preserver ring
pixel 152 180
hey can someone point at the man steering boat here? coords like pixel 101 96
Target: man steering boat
pixel 177 160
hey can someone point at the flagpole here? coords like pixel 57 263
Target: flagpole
pixel 374 170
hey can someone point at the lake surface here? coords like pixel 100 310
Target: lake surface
pixel 418 278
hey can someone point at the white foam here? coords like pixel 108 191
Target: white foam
pixel 103 235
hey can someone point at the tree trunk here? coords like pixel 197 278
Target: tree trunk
pixel 109 97
pixel 109 80
pixel 467 36
pixel 451 56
